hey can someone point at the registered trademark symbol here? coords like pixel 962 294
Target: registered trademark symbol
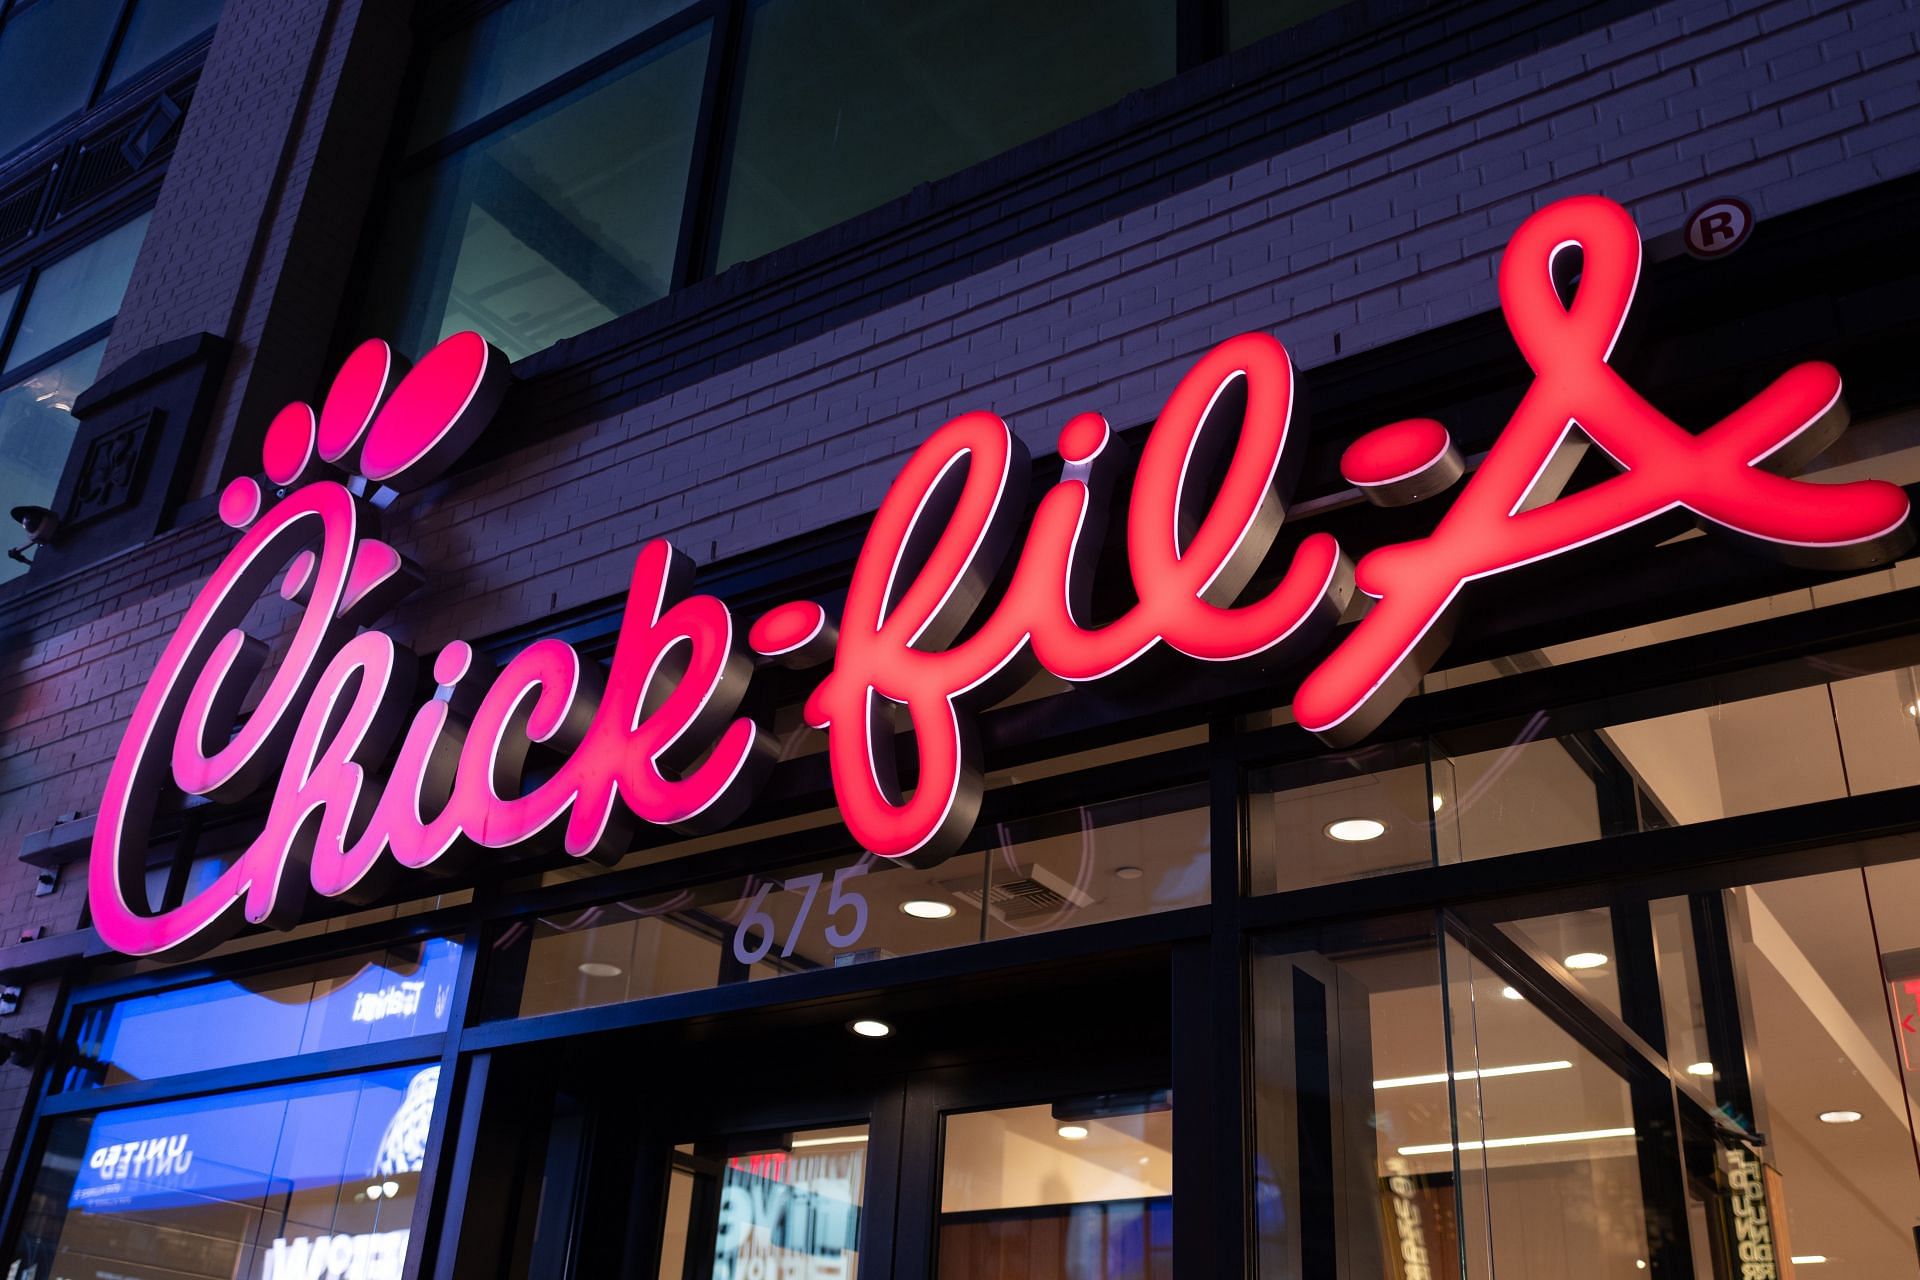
pixel 1718 227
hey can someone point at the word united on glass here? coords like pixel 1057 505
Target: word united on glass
pixel 362 778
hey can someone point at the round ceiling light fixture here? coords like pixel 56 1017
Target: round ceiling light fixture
pixel 1073 1132
pixel 927 909
pixel 1839 1117
pixel 1585 960
pixel 595 969
pixel 1356 830
pixel 871 1028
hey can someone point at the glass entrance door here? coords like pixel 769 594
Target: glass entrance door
pixel 1018 1127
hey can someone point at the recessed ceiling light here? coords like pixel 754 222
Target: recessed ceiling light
pixel 1356 830
pixel 1839 1117
pixel 927 909
pixel 1808 1259
pixel 1585 960
pixel 391 1189
pixel 1143 1159
pixel 1508 993
pixel 1700 1069
pixel 1128 873
pixel 871 1028
pixel 1073 1132
pixel 594 969
pixel 1437 802
pixel 375 1191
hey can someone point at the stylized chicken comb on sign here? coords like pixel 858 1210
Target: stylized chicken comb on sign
pixel 396 427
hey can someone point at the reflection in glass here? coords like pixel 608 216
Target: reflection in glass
pixel 1683 993
pixel 262 1185
pixel 36 434
pixel 156 29
pixel 552 224
pixel 846 910
pixel 1549 1149
pixel 1076 1189
pixel 1831 1087
pixel 351 1000
pixel 847 104
pixel 514 49
pixel 48 56
pixel 1302 817
pixel 1102 861
pixel 77 292
pixel 1582 944
pixel 738 1211
pixel 1351 1110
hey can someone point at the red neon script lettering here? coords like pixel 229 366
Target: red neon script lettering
pixel 940 535
pixel 1511 514
pixel 359 787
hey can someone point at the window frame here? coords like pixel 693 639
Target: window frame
pixel 97 92
pixel 1200 35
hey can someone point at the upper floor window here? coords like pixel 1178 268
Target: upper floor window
pixel 573 160
pixel 53 332
pixel 59 57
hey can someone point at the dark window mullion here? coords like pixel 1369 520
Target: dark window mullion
pixel 11 320
pixel 1200 32
pixel 105 69
pixel 77 343
pixel 560 86
pixel 699 211
pixel 10 323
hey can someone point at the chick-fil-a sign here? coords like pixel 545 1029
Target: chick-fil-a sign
pixel 364 779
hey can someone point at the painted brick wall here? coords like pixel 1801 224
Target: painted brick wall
pixel 1371 233
pixel 255 229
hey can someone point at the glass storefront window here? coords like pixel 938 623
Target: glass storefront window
pixel 1352 1108
pixel 1549 1144
pixel 1101 861
pixel 1752 755
pixel 1525 784
pixel 1683 987
pixel 563 218
pixel 836 912
pixel 1582 944
pixel 1340 816
pixel 848 103
pixel 297 1180
pixel 1818 959
pixel 363 999
pixel 790 1209
pixel 1069 1190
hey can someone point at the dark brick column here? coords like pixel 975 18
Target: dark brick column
pixel 257 226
